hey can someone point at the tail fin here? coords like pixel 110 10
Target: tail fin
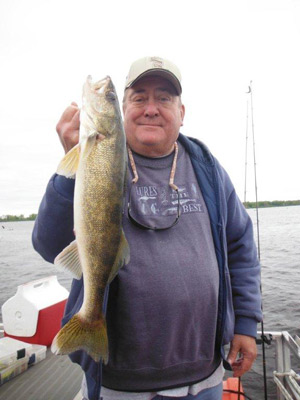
pixel 81 335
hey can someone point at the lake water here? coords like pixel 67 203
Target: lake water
pixel 280 259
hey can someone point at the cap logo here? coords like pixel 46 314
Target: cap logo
pixel 157 62
pixel 154 66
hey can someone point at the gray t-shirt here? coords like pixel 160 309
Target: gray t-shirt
pixel 162 308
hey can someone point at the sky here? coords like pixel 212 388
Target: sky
pixel 47 48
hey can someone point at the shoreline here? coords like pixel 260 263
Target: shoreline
pixel 247 204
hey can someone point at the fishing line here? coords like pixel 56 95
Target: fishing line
pixel 263 337
pixel 246 153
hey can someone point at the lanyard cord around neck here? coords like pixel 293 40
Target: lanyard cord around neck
pixel 173 169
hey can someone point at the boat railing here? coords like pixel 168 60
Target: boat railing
pixel 284 376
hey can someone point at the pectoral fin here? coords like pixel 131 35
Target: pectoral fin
pixel 69 164
pixel 122 257
pixel 69 260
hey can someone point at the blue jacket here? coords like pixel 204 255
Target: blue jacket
pixel 239 269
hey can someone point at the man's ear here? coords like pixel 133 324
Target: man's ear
pixel 182 112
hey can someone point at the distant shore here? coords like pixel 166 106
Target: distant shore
pixel 21 217
pixel 247 204
pixel 274 203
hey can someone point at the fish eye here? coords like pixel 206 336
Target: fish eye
pixel 111 96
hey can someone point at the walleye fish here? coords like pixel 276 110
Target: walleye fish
pixel 100 249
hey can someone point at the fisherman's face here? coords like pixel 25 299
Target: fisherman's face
pixel 153 114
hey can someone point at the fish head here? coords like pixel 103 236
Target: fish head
pixel 100 108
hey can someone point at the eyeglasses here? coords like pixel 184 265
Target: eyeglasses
pixel 171 184
pixel 148 227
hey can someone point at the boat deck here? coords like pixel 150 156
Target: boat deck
pixel 54 378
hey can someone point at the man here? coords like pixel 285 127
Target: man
pixel 192 283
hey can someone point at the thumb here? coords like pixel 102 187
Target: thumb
pixel 233 353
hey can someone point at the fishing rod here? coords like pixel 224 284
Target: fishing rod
pixel 255 173
pixel 246 151
pixel 263 337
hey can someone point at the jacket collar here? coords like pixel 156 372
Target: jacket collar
pixel 197 149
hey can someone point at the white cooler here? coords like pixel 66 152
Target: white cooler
pixel 34 313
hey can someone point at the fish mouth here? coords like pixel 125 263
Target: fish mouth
pixel 103 87
pixel 99 86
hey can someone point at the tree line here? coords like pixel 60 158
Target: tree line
pixel 21 217
pixel 275 203
pixel 247 204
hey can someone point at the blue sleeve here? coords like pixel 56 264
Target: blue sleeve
pixel 242 260
pixel 53 229
pixel 244 267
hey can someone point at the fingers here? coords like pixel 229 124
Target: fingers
pixel 242 354
pixel 69 112
pixel 242 365
pixel 75 120
pixel 68 126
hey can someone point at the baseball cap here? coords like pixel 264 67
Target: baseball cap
pixel 154 66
